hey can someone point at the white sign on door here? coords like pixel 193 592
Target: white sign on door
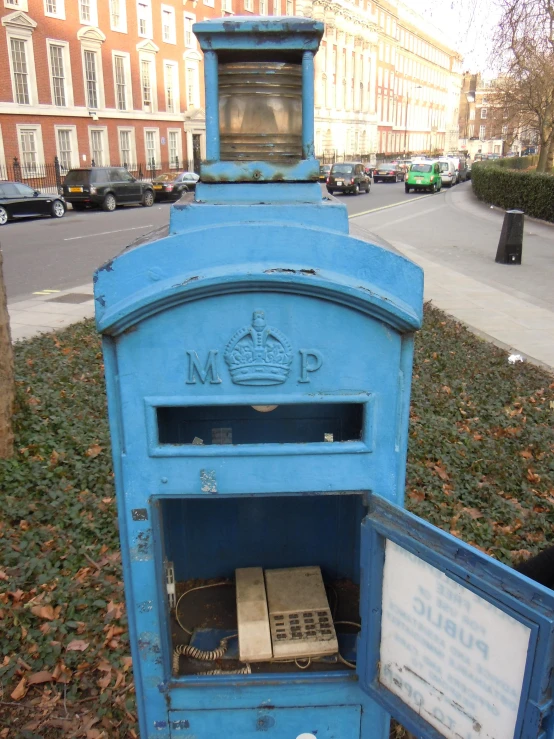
pixel 451 656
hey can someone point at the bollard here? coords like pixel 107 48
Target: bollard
pixel 511 238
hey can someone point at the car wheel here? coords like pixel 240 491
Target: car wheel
pixel 78 206
pixel 434 188
pixel 148 199
pixel 368 188
pixel 110 203
pixel 406 188
pixel 3 216
pixel 57 210
pixel 356 190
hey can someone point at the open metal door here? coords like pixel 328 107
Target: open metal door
pixel 454 644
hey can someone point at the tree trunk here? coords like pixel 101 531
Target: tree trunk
pixel 7 380
pixel 550 157
pixel 543 157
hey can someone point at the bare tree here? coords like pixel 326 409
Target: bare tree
pixel 7 381
pixel 524 50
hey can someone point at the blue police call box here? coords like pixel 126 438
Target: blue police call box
pixel 258 366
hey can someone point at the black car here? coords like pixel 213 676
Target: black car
pixel 106 187
pixel 324 171
pixel 17 199
pixel 388 173
pixel 348 177
pixel 171 185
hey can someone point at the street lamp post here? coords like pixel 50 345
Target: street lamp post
pixel 417 87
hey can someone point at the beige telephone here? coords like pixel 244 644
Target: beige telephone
pixel 293 622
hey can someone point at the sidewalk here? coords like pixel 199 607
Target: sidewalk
pixel 48 311
pixel 517 315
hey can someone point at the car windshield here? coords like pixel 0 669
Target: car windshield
pixel 189 176
pixel 386 168
pixel 444 166
pixel 325 168
pixel 342 169
pixel 78 177
pixel 421 168
pixel 166 177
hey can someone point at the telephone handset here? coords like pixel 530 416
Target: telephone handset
pixel 294 621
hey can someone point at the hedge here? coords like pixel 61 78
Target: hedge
pixel 518 162
pixel 531 192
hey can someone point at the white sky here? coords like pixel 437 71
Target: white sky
pixel 467 25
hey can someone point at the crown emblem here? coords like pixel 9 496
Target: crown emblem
pixel 258 354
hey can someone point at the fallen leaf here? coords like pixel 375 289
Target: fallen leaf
pixel 46 612
pixel 77 645
pixel 416 495
pixel 93 451
pixel 40 677
pixel 526 454
pixel 3 576
pixel 20 690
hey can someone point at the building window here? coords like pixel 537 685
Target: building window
pixel 249 5
pixel 263 7
pixel 192 86
pixel 276 7
pixel 118 16
pixel 144 17
pixel 54 9
pixel 482 132
pixel 227 6
pixel 190 42
pixel 146 82
pixel 210 3
pixel 91 79
pixel 58 76
pixel 150 143
pixel 86 11
pixel 29 151
pixel 173 141
pixel 483 112
pixel 64 148
pixel 472 114
pixel 120 82
pixel 168 24
pixel 125 148
pixel 20 71
pixel 97 148
pixel 16 4
pixel 171 88
pixel 290 7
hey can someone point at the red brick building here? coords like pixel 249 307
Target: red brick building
pixel 105 81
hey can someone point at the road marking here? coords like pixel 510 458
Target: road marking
pixel 409 218
pixel 105 233
pixel 46 292
pixel 392 205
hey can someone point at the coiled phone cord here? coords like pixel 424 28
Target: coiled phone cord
pixel 187 650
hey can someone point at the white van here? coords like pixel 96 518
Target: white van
pixel 449 173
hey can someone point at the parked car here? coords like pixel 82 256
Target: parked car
pixel 106 187
pixel 449 176
pixel 324 172
pixel 171 185
pixel 424 176
pixel 348 177
pixel 388 173
pixel 17 199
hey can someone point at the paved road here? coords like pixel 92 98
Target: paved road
pixel 456 231
pixel 50 254
pixel 449 228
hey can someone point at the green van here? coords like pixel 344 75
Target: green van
pixel 424 176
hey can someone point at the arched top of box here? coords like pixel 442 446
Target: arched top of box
pixel 236 258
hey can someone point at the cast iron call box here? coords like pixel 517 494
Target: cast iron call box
pixel 258 365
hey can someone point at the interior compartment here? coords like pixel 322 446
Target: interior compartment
pixel 206 540
pixel 264 424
